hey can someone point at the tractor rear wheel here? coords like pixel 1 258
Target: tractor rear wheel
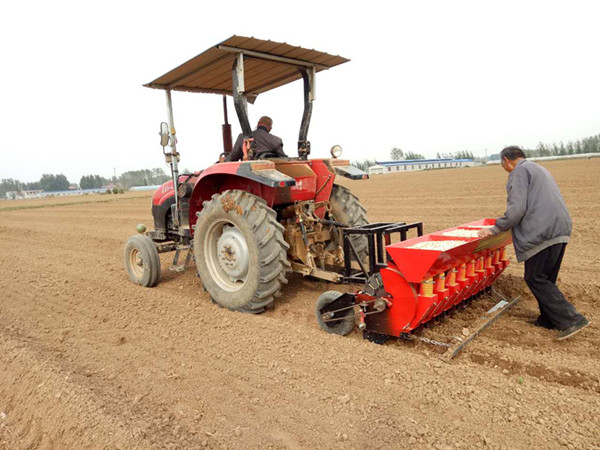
pixel 346 208
pixel 240 252
pixel 142 261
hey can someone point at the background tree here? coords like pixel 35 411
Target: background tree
pixel 145 177
pixel 32 186
pixel 586 145
pixel 9 184
pixel 92 182
pixel 413 155
pixel 464 154
pixel 364 164
pixel 51 183
pixel 396 154
pixel 541 148
pixel 562 150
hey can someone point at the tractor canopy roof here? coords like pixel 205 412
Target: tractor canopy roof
pixel 267 65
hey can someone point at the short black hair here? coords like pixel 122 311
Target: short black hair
pixel 511 153
pixel 265 120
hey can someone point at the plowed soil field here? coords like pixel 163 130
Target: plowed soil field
pixel 89 360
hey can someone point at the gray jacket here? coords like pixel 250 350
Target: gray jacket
pixel 535 211
pixel 265 142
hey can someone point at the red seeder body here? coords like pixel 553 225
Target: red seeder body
pixel 421 284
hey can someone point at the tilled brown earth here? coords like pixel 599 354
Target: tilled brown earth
pixel 89 360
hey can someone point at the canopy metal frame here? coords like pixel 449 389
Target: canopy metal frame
pixel 207 73
pixel 240 99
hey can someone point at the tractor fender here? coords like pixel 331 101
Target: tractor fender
pixel 345 169
pixel 165 191
pixel 255 177
pixel 164 197
pixel 160 212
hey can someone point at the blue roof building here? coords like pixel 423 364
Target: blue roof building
pixel 412 165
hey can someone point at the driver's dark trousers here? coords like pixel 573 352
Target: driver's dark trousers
pixel 541 271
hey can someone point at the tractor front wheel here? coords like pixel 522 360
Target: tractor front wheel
pixel 240 252
pixel 142 261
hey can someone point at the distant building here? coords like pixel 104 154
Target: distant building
pixel 72 192
pixel 413 165
pixel 145 188
pixel 38 193
pixel 25 193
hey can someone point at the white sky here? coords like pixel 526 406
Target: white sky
pixel 424 76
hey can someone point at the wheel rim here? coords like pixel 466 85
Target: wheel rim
pixel 227 256
pixel 136 262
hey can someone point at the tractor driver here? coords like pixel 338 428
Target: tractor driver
pixel 266 143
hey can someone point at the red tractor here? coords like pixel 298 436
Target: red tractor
pixel 248 224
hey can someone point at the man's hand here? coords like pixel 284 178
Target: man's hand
pixel 484 232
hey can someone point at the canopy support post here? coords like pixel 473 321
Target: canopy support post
pixel 227 139
pixel 308 76
pixel 173 158
pixel 239 95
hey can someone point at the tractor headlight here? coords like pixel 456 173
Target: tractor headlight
pixel 336 151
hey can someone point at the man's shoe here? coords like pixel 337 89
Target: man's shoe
pixel 540 322
pixel 573 329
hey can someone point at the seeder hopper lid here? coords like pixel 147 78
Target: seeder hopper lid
pixel 448 248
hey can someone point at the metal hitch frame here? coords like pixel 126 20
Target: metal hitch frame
pixel 378 236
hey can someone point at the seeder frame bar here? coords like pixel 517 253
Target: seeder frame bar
pixel 489 318
pixel 378 236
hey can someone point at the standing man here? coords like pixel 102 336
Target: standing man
pixel 541 227
pixel 266 143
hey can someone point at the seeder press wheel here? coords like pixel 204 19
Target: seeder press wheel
pixel 334 319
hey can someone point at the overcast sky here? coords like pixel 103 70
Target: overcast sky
pixel 424 76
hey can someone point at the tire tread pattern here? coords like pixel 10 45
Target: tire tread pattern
pixel 347 208
pixel 272 248
pixel 150 255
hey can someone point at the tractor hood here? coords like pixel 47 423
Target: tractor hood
pixel 268 65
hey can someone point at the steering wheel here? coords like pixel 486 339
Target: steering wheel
pixel 267 155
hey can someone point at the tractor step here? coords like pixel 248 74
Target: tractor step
pixel 177 266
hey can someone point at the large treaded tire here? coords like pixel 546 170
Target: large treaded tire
pixel 142 261
pixel 346 208
pixel 249 219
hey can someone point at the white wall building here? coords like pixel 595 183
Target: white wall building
pixel 412 165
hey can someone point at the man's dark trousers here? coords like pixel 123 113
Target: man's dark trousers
pixel 541 271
